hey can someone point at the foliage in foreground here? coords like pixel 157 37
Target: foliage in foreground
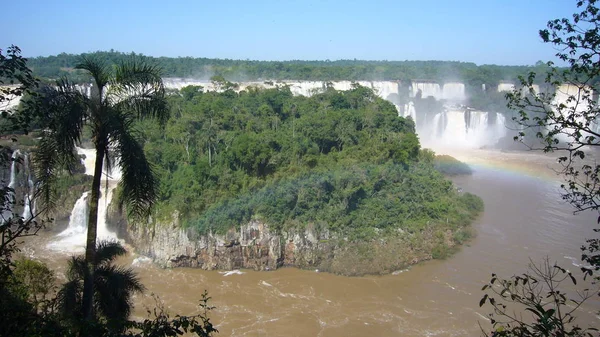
pixel 29 305
pixel 32 305
pixel 122 94
pixel 563 118
pixel 537 303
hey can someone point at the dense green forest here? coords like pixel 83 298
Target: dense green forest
pixel 339 160
pixel 243 70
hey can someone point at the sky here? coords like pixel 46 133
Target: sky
pixel 482 31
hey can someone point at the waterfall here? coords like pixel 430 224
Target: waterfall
pixel 505 87
pixel 79 217
pixel 409 111
pixel 299 88
pixel 10 197
pixel 385 88
pixel 306 88
pixel 10 103
pixel 73 239
pixel 576 100
pixel 453 91
pixel 13 169
pixel 464 128
pixel 427 89
pixel 27 210
pixel 343 85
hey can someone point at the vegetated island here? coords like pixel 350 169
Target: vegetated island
pixel 261 179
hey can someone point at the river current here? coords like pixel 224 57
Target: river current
pixel 525 218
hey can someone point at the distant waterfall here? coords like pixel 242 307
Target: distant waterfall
pixel 427 89
pixel 73 239
pixel 382 89
pixel 409 111
pixel 454 91
pixel 307 88
pixel 299 88
pixel 8 204
pixel 576 99
pixel 464 128
pixel 79 217
pixel 27 210
pixel 502 87
pixel 13 169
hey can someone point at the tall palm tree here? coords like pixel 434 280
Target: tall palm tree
pixel 121 94
pixel 114 288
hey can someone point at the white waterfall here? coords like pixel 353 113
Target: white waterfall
pixel 346 85
pixel 463 129
pixel 573 97
pixel 453 91
pixel 300 88
pixel 576 100
pixel 79 218
pixel 385 88
pixel 73 239
pixel 8 204
pixel 13 169
pixel 409 111
pixel 10 102
pixel 27 210
pixel 427 89
pixel 503 86
pixel 306 88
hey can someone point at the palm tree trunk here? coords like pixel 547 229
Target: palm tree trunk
pixel 90 249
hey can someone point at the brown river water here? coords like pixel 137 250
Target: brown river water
pixel 524 218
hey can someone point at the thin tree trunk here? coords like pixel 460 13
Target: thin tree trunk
pixel 90 249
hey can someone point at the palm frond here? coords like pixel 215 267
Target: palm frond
pixel 97 68
pixel 46 169
pixel 64 110
pixel 139 89
pixel 115 287
pixel 139 187
pixel 69 299
pixel 107 251
pixel 77 268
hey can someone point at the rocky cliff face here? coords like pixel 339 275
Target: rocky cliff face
pixel 254 246
pixel 251 246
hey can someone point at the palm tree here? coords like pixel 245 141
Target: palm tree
pixel 114 287
pixel 120 95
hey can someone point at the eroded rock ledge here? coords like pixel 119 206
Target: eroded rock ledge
pixel 254 246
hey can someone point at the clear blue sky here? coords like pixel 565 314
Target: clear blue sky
pixel 480 31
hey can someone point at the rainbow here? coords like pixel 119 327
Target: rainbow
pixel 532 164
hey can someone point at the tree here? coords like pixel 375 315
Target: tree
pixel 114 287
pixel 23 284
pixel 563 117
pixel 121 94
pixel 16 79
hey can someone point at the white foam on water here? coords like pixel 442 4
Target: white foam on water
pixel 231 272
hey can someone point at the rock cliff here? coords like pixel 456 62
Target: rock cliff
pixel 254 246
